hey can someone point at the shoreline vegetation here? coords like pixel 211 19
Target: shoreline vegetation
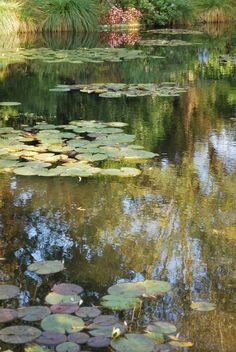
pixel 27 16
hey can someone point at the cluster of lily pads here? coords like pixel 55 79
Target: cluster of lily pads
pixel 174 31
pixel 227 59
pixel 65 324
pixel 78 56
pixel 164 42
pixel 69 150
pixel 118 90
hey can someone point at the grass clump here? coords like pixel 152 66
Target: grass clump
pixel 9 16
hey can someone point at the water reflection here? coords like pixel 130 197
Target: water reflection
pixel 175 222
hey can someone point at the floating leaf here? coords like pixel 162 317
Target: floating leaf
pixel 133 343
pixel 46 267
pixel 105 330
pixel 88 312
pixel 123 172
pixel 19 334
pixel 9 103
pixel 56 298
pixel 156 287
pixel 157 337
pixel 51 338
pixel 161 327
pixel 68 347
pixel 66 308
pixel 67 289
pixel 79 337
pixel 203 306
pixel 181 344
pixel 62 323
pixel 98 342
pixel 7 315
pixel 8 291
pixel 34 313
pixel 35 348
pixel 119 302
pixel 129 289
pixel 106 320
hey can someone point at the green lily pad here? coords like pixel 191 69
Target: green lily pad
pixel 156 287
pixel 47 267
pixel 123 172
pixel 35 348
pixel 105 330
pixel 67 289
pixel 119 302
pixel 51 338
pixel 78 337
pixel 133 343
pixel 203 306
pixel 68 347
pixel 8 291
pixel 62 323
pixel 56 298
pixel 161 327
pixel 156 337
pixel 35 313
pixel 88 312
pixel 7 315
pixel 129 289
pixel 19 334
pixel 98 342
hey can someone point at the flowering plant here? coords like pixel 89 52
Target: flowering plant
pixel 117 15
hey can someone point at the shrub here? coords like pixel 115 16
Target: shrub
pixel 117 15
pixel 63 15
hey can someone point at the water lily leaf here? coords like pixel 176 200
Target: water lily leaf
pixel 66 308
pixel 51 338
pixel 9 103
pixel 161 327
pixel 34 313
pixel 28 171
pixel 181 344
pixel 88 312
pixel 68 347
pixel 7 315
pixel 67 289
pixel 157 337
pixel 203 306
pixel 156 287
pixel 35 348
pixel 79 337
pixel 62 323
pixel 123 172
pixel 56 298
pixel 129 289
pixel 19 334
pixel 59 89
pixel 119 302
pixel 8 291
pixel 98 342
pixel 133 343
pixel 117 124
pixel 110 95
pixel 106 320
pixel 105 330
pixel 46 267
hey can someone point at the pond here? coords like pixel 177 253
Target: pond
pixel 176 221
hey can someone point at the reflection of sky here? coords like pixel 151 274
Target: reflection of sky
pixel 224 144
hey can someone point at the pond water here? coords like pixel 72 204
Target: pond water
pixel 174 222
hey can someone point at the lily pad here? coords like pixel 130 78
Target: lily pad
pixel 66 308
pixel 106 320
pixel 129 289
pixel 51 338
pixel 123 172
pixel 156 337
pixel 119 302
pixel 34 313
pixel 181 344
pixel 62 323
pixel 9 103
pixel 56 298
pixel 106 330
pixel 79 337
pixel 68 347
pixel 19 334
pixel 8 291
pixel 35 348
pixel 46 267
pixel 67 289
pixel 88 312
pixel 98 342
pixel 203 306
pixel 156 287
pixel 161 327
pixel 133 343
pixel 7 315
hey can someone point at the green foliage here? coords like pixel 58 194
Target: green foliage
pixel 63 15
pixel 9 11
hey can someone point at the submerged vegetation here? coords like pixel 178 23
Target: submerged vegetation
pixel 80 15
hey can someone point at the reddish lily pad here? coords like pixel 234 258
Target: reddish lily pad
pixel 64 308
pixel 67 289
pixel 99 342
pixel 19 334
pixel 34 313
pixel 8 291
pixel 78 337
pixel 56 298
pixel 68 347
pixel 7 315
pixel 88 312
pixel 51 338
pixel 106 320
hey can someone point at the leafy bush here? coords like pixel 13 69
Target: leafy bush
pixel 117 15
pixel 63 15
